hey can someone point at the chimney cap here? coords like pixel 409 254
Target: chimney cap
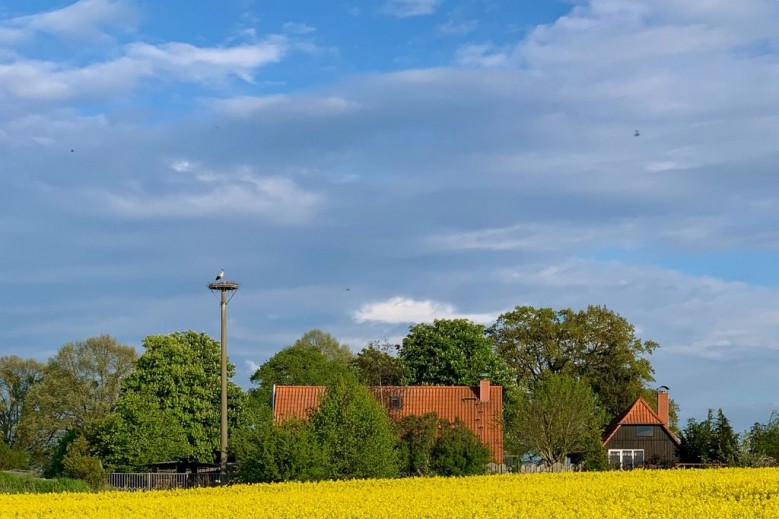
pixel 664 389
pixel 484 375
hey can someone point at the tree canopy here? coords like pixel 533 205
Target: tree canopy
pixel 301 365
pixel 595 345
pixel 450 352
pixel 355 434
pixel 376 366
pixel 709 441
pixel 327 345
pixel 558 417
pixel 170 404
pixel 17 377
pixel 80 384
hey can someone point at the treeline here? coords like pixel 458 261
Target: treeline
pixel 714 442
pixel 96 406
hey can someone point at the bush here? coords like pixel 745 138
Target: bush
pixel 12 459
pixel 355 434
pixel 417 439
pixel 459 452
pixel 80 464
pixel 283 453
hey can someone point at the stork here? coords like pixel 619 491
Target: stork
pixel 220 275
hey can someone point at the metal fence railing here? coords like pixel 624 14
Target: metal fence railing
pixel 162 480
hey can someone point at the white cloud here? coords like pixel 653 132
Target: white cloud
pixel 409 8
pixel 285 106
pixel 85 19
pixel 457 28
pixel 298 28
pixel 188 62
pixel 251 367
pixel 50 81
pixel 697 315
pixel 483 55
pixel 406 310
pixel 207 193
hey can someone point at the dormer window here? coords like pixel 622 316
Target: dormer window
pixel 396 403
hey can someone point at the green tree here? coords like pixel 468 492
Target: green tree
pixel 298 365
pixel 80 384
pixel 376 366
pixel 595 345
pixel 710 441
pixel 138 433
pixel 558 417
pixel 327 345
pixel 763 441
pixel 79 463
pixel 11 458
pixel 355 434
pixel 283 453
pixel 459 452
pixel 450 352
pixel 17 377
pixel 175 392
pixel 417 438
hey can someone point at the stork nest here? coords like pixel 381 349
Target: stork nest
pixel 223 285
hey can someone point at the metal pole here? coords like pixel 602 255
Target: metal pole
pixel 223 442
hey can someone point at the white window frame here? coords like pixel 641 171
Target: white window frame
pixel 632 455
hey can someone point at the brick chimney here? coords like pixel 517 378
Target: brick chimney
pixel 662 404
pixel 484 390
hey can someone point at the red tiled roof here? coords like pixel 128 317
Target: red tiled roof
pixel 640 413
pixel 485 418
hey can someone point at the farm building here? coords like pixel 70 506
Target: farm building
pixel 640 436
pixel 480 408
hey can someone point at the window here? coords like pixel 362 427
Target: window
pixel 645 430
pixel 396 402
pixel 626 459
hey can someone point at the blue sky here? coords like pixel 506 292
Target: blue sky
pixel 438 158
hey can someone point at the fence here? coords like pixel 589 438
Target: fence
pixel 162 480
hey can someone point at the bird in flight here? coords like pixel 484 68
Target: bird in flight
pixel 636 134
pixel 220 275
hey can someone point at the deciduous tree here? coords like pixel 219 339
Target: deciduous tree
pixel 557 417
pixel 376 366
pixel 80 384
pixel 450 352
pixel 177 384
pixel 327 344
pixel 355 434
pixel 17 377
pixel 595 345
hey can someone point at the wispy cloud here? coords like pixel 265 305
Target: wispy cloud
pixel 51 81
pixel 82 20
pixel 457 28
pixel 201 193
pixel 285 106
pixel 409 8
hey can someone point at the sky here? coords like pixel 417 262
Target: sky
pixel 361 166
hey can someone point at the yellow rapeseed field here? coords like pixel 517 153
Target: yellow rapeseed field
pixel 700 494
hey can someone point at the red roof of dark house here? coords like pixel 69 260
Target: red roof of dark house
pixel 480 408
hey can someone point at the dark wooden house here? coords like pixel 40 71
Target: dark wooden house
pixel 640 436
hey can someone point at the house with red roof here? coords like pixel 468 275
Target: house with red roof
pixel 640 436
pixel 480 408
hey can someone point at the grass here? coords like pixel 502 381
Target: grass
pixel 27 484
